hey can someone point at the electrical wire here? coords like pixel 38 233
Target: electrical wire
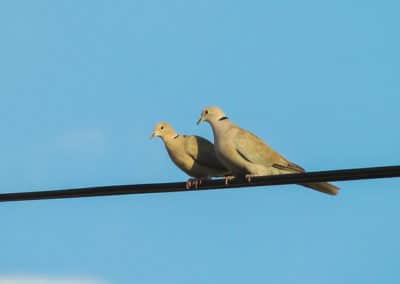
pixel 319 176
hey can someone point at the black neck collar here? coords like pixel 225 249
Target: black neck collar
pixel 177 135
pixel 223 118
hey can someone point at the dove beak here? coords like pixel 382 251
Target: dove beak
pixel 152 135
pixel 201 119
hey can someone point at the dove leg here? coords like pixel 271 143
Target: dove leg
pixel 228 179
pixel 189 183
pixel 249 177
pixel 194 182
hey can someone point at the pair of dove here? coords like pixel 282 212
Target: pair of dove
pixel 236 152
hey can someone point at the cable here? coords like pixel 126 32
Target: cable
pixel 333 175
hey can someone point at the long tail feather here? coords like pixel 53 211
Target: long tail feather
pixel 324 187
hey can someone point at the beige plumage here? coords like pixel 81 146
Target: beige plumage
pixel 246 154
pixel 192 154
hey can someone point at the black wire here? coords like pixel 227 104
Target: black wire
pixel 333 175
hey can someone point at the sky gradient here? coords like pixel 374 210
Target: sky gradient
pixel 83 85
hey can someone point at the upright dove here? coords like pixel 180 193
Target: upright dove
pixel 194 155
pixel 245 154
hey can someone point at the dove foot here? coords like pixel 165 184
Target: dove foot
pixel 228 179
pixel 193 182
pixel 249 177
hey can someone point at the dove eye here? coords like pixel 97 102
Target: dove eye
pixel 206 111
pixel 162 127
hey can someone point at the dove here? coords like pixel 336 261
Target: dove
pixel 245 154
pixel 194 155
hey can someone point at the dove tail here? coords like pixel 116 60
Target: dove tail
pixel 324 187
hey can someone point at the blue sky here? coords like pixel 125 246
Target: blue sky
pixel 84 83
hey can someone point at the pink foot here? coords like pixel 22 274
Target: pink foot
pixel 249 177
pixel 228 179
pixel 193 182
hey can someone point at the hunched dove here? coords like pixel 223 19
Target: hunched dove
pixel 194 155
pixel 245 154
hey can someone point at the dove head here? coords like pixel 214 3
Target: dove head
pixel 211 114
pixel 163 130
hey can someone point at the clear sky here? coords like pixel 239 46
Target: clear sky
pixel 84 82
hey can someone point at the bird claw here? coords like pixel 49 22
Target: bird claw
pixel 193 182
pixel 249 177
pixel 227 179
pixel 189 183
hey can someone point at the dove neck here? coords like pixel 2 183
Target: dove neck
pixel 170 137
pixel 220 126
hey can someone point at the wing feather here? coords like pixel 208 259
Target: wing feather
pixel 256 151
